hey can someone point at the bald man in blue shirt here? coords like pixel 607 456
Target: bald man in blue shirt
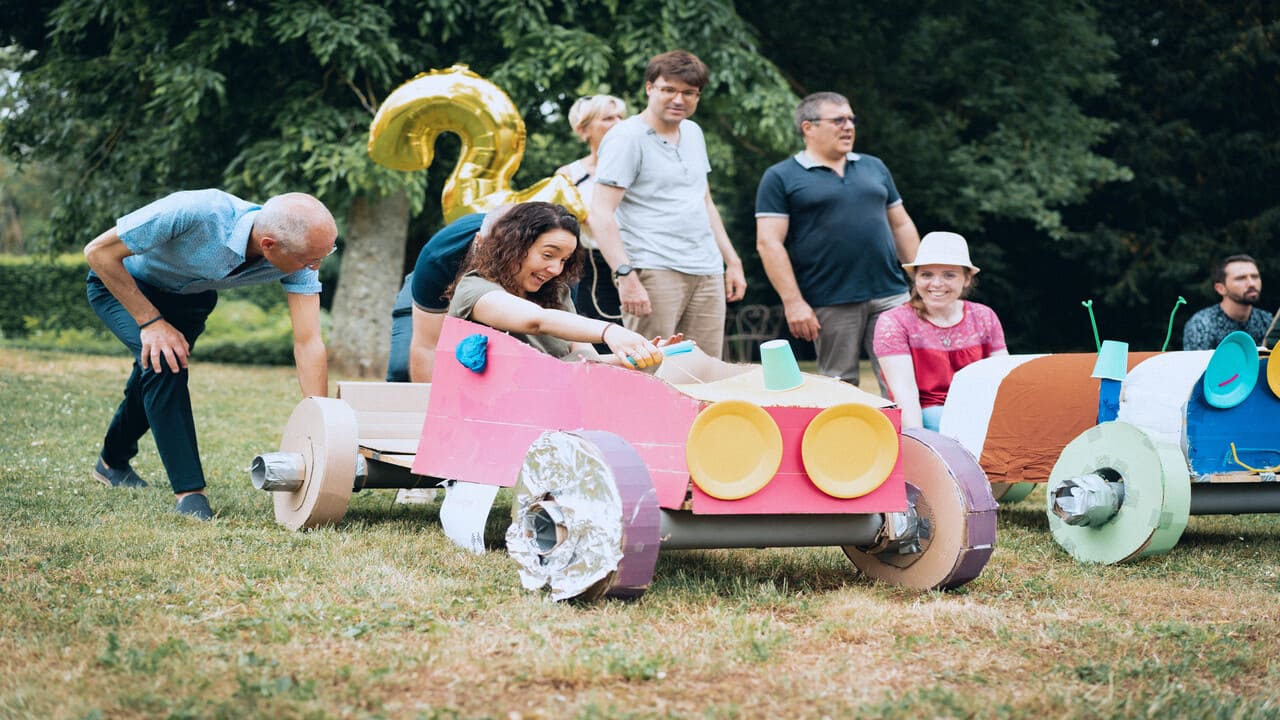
pixel 154 279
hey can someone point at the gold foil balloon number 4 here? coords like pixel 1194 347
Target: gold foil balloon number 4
pixel 404 131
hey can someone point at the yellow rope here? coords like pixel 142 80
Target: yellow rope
pixel 1236 457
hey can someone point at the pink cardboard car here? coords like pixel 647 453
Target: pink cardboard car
pixel 609 465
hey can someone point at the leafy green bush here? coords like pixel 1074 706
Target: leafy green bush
pixel 44 293
pixel 93 341
pixel 267 296
pixel 239 331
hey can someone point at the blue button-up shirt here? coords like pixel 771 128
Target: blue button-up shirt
pixel 193 241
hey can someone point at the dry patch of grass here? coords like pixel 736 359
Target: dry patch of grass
pixel 115 607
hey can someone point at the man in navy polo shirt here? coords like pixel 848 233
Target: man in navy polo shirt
pixel 154 279
pixel 832 233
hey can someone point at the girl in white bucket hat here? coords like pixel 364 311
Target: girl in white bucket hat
pixel 922 344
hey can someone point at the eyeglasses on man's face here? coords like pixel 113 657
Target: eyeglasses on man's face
pixel 314 263
pixel 839 120
pixel 667 91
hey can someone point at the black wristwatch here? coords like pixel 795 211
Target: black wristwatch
pixel 622 271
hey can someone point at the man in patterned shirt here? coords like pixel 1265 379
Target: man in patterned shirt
pixel 1237 280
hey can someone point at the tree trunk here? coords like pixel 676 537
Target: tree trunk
pixel 377 230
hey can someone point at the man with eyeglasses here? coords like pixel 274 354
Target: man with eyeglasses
pixel 154 279
pixel 832 234
pixel 653 216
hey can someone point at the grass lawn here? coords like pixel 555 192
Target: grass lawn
pixel 115 607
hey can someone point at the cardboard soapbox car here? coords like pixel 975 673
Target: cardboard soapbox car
pixel 1129 446
pixel 609 465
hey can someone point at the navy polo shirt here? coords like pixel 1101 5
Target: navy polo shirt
pixel 838 235
pixel 438 265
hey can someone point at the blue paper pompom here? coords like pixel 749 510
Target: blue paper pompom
pixel 472 352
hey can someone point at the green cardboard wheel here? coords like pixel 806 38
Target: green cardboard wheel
pixel 1157 494
pixel 1011 492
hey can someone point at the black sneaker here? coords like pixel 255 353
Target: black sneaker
pixel 196 506
pixel 123 477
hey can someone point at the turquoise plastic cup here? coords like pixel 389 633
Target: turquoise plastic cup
pixel 1113 360
pixel 780 369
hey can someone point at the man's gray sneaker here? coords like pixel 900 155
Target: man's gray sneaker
pixel 123 477
pixel 196 506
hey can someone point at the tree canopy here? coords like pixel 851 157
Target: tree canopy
pixel 1094 149
pixel 144 97
pixel 1196 115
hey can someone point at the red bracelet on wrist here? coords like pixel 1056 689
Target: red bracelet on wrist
pixel 604 332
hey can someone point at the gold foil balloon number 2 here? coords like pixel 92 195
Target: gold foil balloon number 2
pixel 404 131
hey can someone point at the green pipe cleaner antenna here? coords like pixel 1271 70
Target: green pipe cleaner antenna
pixel 1088 305
pixel 1169 333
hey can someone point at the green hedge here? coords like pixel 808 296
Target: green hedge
pixel 240 332
pixel 44 306
pixel 43 293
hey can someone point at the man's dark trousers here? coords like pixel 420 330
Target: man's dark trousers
pixel 157 399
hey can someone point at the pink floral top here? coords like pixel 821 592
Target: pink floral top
pixel 938 352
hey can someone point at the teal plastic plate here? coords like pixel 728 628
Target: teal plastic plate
pixel 1232 371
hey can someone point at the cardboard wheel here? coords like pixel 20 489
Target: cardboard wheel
pixel 1007 493
pixel 952 498
pixel 584 518
pixel 1157 494
pixel 324 432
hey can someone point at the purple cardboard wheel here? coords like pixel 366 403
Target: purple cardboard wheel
pixel 955 513
pixel 585 518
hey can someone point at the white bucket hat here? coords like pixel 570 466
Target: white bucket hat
pixel 942 248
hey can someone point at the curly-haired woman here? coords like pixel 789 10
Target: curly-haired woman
pixel 519 281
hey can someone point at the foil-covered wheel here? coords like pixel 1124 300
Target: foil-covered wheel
pixel 946 537
pixel 584 518
pixel 1154 494
pixel 324 432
